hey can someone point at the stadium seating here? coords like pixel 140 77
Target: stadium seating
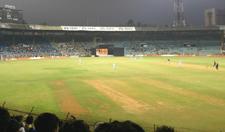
pixel 209 47
pixel 24 46
pixel 162 44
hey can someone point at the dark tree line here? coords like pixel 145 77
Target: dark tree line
pixel 130 23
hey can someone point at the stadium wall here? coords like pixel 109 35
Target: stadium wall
pixel 37 58
pixel 187 55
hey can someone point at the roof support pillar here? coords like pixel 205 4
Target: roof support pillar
pixel 13 38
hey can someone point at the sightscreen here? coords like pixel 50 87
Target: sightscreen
pixel 118 51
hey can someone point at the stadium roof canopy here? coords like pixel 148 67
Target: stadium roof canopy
pixel 47 28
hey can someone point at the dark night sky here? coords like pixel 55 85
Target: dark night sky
pixel 110 12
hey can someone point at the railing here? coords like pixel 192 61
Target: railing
pixel 12 26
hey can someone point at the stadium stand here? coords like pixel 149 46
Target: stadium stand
pixel 62 45
pixel 24 47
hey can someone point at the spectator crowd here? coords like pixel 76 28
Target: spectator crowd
pixel 49 122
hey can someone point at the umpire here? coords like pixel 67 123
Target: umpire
pixel 214 64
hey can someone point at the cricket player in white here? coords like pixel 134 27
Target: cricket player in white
pixel 180 63
pixel 131 57
pixel 135 57
pixel 141 58
pixel 80 61
pixel 52 57
pixel 114 66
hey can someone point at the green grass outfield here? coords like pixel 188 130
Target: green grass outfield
pixel 147 92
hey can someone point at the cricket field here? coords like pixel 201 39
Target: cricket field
pixel 147 92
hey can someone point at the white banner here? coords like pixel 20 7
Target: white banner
pixel 10 7
pixel 222 27
pixel 35 58
pixel 36 27
pixel 24 45
pixel 84 28
pixel 74 56
pixel 168 55
pixel 3 26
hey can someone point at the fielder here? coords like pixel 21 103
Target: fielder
pixel 135 58
pixel 114 66
pixel 52 57
pixel 217 65
pixel 141 58
pixel 131 57
pixel 80 61
pixel 2 59
pixel 180 64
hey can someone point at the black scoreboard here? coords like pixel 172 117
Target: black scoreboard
pixel 10 14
